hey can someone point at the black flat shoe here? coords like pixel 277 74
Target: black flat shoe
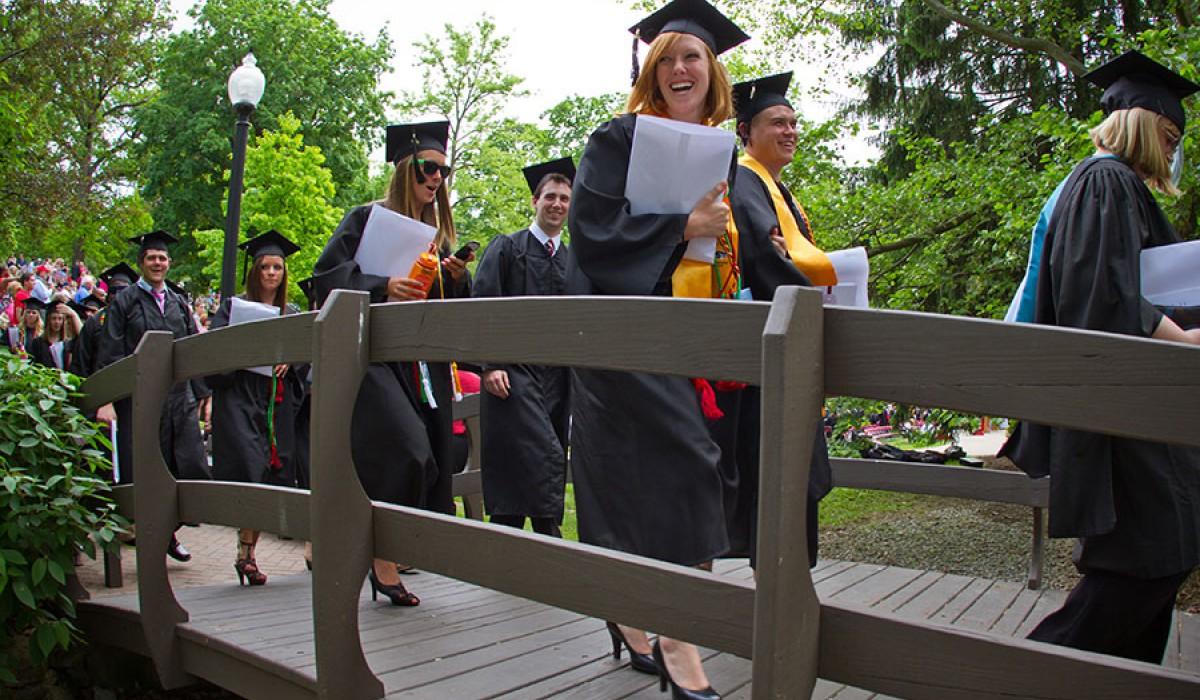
pixel 677 693
pixel 397 594
pixel 640 662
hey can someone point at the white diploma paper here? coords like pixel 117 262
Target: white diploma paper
pixel 853 271
pixel 672 165
pixel 391 243
pixel 1171 274
pixel 242 311
pixel 56 354
pixel 14 338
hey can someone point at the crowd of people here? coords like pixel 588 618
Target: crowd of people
pixel 664 467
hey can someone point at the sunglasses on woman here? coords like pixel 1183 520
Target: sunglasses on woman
pixel 429 167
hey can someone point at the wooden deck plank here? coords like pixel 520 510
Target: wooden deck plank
pixel 844 579
pixel 882 584
pixel 947 612
pixel 1015 615
pixel 1047 602
pixel 726 673
pixel 909 592
pixel 988 608
pixel 1189 641
pixel 1171 652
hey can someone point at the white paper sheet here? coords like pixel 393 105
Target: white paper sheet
pixel 391 243
pixel 14 337
pixel 242 311
pixel 56 353
pixel 853 271
pixel 1171 274
pixel 672 165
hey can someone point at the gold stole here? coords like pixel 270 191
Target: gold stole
pixel 700 280
pixel 808 258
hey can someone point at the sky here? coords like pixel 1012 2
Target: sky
pixel 555 63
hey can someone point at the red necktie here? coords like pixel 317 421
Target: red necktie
pixel 550 248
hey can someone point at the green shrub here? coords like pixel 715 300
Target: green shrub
pixel 54 499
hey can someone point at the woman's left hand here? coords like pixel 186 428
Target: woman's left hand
pixel 280 370
pixel 457 268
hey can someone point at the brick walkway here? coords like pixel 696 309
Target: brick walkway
pixel 213 549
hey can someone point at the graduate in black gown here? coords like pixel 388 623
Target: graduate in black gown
pixel 150 305
pixel 1133 505
pixel 646 471
pixel 53 347
pixel 402 431
pixel 525 409
pixel 87 345
pixel 31 326
pixel 253 415
pixel 776 248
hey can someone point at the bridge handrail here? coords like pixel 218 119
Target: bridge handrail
pixel 803 353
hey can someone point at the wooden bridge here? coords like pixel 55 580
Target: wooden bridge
pixel 517 615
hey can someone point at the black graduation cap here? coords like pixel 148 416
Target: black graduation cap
pixel 753 96
pixel 93 301
pixel 80 309
pixel 177 288
pixel 53 304
pixel 407 139
pixel 35 304
pixel 1135 80
pixel 270 243
pixel 119 272
pixel 535 173
pixel 695 17
pixel 155 240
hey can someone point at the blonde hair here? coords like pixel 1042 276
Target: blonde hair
pixel 1133 135
pixel 646 97
pixel 37 330
pixel 400 198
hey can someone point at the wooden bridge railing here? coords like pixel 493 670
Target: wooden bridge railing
pixel 796 350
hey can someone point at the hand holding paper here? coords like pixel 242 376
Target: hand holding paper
pixel 391 242
pixel 853 271
pixel 242 311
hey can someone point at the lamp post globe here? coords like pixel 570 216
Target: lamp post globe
pixel 246 85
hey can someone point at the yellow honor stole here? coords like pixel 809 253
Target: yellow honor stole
pixel 720 279
pixel 808 258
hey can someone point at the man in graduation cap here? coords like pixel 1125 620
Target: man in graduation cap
pixel 1134 505
pixel 524 408
pixel 150 305
pixel 87 345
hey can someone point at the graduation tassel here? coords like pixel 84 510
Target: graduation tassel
pixel 458 388
pixel 708 399
pixel 276 397
pixel 637 36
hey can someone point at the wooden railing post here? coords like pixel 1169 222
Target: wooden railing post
pixel 157 505
pixel 341 512
pixel 469 410
pixel 786 608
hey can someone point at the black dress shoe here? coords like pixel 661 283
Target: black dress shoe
pixel 176 550
pixel 677 693
pixel 640 662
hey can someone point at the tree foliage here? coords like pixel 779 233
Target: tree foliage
pixel 289 189
pixel 325 76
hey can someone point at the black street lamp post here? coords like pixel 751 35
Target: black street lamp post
pixel 246 86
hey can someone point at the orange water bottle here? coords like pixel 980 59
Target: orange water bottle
pixel 424 270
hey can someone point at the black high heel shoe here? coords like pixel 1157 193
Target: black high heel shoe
pixel 397 594
pixel 640 662
pixel 677 693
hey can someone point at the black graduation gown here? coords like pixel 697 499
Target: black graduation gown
pixel 1133 504
pixel 763 271
pixel 646 472
pixel 402 448
pixel 87 344
pixel 130 314
pixel 524 447
pixel 241 445
pixel 39 351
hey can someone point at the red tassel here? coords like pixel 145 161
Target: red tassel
pixel 276 463
pixel 708 399
pixel 725 387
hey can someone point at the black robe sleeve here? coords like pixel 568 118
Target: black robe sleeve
pixel 83 357
pixel 619 253
pixel 112 345
pixel 763 269
pixel 39 351
pixel 336 268
pixel 490 273
pixel 1094 257
pixel 218 320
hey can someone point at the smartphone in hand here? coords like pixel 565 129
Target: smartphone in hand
pixel 466 251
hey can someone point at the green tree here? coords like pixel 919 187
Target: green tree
pixel 327 77
pixel 78 69
pixel 289 189
pixel 465 82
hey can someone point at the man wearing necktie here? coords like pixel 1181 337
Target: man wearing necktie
pixel 150 305
pixel 524 409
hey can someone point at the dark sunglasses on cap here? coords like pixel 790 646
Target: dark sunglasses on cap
pixel 429 167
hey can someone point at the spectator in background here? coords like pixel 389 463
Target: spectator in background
pixel 87 285
pixel 8 302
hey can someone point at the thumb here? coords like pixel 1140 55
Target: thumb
pixel 717 192
pixel 775 231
